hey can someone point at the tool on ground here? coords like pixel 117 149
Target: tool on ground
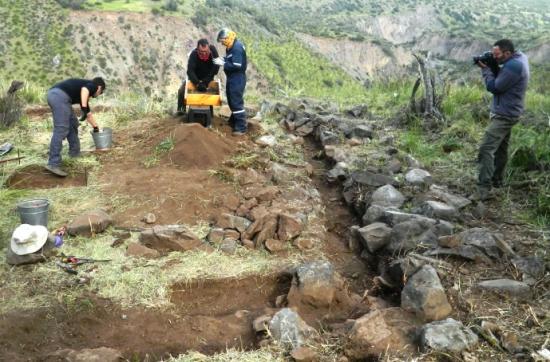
pixel 73 260
pixel 5 148
pixel 66 267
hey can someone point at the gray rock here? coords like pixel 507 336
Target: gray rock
pixel 442 194
pixel 170 238
pixel 418 177
pixel 394 165
pixel 412 162
pixel 215 236
pixel 328 138
pixel 315 284
pixel 368 178
pixel 443 228
pixel 410 235
pixel 90 223
pixel 375 213
pixel 512 288
pixel 439 210
pixel 481 238
pixel 387 196
pixel 261 323
pixel 305 130
pixel 280 174
pixel 289 329
pixel 424 295
pixel 266 141
pixel 14 259
pixel 358 111
pixel 338 173
pixel 361 131
pixel 394 217
pixel 228 246
pixel 532 267
pixel 447 335
pixel 228 221
pixel 468 252
pixel 375 236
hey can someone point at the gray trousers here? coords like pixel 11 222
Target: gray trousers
pixel 493 152
pixel 65 125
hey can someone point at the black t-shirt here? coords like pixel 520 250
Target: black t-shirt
pixel 74 86
pixel 198 70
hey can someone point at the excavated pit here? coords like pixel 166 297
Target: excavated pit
pixel 36 177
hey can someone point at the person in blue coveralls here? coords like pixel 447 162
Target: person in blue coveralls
pixel 234 65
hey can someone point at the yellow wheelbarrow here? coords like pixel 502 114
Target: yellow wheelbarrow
pixel 201 104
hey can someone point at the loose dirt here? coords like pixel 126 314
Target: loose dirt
pixel 178 185
pixel 36 177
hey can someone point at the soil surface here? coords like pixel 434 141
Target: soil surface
pixel 37 177
pixel 176 185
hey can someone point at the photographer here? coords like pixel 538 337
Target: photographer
pixel 508 87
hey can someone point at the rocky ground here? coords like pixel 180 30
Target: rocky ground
pixel 369 256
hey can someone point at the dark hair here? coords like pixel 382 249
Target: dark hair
pixel 203 42
pixel 505 45
pixel 98 81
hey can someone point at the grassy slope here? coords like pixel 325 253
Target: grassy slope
pixel 35 33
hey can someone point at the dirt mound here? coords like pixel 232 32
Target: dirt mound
pixel 36 177
pixel 197 147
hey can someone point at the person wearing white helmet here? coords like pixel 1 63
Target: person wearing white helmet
pixel 234 65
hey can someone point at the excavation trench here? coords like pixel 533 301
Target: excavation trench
pixel 208 316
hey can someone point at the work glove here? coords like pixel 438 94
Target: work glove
pixel 85 111
pixel 201 87
pixel 96 129
pixel 219 61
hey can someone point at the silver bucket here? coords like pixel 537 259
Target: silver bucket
pixel 34 212
pixel 103 139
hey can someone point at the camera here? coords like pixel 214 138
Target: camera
pixel 488 59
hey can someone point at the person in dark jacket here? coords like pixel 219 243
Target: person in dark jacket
pixel 201 70
pixel 60 98
pixel 234 65
pixel 508 87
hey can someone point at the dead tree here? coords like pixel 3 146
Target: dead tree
pixel 428 106
pixel 11 106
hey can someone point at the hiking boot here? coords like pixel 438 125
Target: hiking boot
pixel 56 171
pixel 238 134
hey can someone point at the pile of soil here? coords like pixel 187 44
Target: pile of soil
pixel 197 147
pixel 37 177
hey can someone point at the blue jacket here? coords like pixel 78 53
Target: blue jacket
pixel 235 59
pixel 509 86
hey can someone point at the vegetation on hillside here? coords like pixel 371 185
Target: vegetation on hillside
pixel 37 42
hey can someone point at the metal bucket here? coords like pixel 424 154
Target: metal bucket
pixel 34 212
pixel 103 139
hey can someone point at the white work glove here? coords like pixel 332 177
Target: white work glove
pixel 219 61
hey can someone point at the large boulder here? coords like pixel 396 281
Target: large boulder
pixel 447 336
pixel 410 235
pixel 290 226
pixel 90 223
pixel 388 196
pixel 170 238
pixel 439 210
pixel 375 236
pixel 289 329
pixel 263 228
pixel 419 177
pixel 442 194
pixel 394 217
pixel 424 295
pixel 14 259
pixel 375 332
pixel 315 284
pixel 228 221
pixel 367 178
